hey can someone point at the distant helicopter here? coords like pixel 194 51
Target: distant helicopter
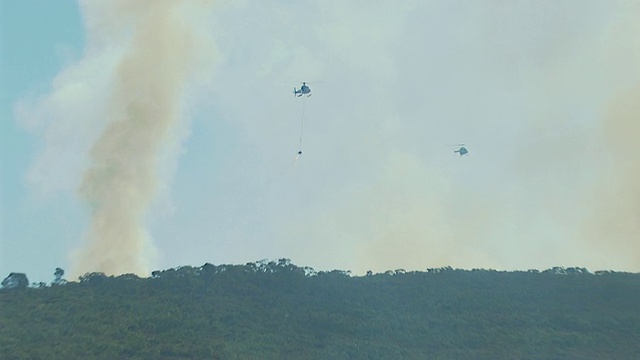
pixel 304 90
pixel 461 150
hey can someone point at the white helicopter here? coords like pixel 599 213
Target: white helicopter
pixel 304 90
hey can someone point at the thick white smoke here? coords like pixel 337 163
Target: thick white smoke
pixel 143 109
pixel 123 103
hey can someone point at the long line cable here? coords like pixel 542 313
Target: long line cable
pixel 301 126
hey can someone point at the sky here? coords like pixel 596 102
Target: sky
pixel 136 137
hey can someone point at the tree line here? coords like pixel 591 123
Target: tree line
pixel 277 310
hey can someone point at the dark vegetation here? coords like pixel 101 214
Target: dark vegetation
pixel 276 310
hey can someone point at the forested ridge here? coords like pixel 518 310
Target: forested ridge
pixel 277 310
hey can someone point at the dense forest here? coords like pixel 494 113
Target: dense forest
pixel 277 310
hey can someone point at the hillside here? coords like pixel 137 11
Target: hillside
pixel 276 310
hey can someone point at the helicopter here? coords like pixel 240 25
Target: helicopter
pixel 461 150
pixel 304 90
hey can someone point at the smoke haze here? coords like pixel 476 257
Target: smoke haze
pixel 529 86
pixel 545 94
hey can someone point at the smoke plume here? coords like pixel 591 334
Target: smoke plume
pixel 142 111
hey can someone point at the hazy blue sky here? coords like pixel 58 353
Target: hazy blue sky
pixel 546 95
